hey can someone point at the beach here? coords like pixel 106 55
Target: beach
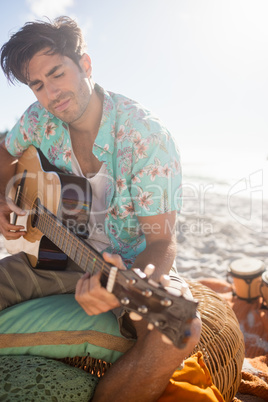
pixel 215 229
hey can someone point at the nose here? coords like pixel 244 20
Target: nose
pixel 52 91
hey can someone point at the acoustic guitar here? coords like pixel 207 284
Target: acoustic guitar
pixel 58 206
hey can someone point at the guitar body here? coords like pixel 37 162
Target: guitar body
pixel 66 196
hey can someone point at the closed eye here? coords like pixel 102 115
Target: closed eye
pixel 59 75
pixel 39 88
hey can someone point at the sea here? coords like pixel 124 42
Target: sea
pixel 241 173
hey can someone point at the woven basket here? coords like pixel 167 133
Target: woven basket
pixel 221 343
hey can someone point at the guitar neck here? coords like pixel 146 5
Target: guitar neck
pixel 73 246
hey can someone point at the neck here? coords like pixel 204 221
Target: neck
pixel 84 133
pixel 89 123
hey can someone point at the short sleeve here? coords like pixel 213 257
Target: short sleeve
pixel 26 132
pixel 46 132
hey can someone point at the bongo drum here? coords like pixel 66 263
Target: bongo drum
pixel 247 277
pixel 264 288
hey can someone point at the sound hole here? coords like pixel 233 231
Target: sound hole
pixel 35 212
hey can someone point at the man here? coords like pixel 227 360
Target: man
pixel 132 164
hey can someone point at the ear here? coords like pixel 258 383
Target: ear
pixel 85 64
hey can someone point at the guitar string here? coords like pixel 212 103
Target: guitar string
pixel 102 265
pixel 85 253
pixel 49 220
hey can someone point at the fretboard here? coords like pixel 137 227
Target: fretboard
pixel 74 247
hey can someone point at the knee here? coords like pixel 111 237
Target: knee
pixel 153 341
pixel 195 332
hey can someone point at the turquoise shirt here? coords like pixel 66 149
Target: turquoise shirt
pixel 139 154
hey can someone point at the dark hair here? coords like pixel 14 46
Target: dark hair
pixel 62 36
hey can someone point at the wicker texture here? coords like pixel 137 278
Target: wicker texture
pixel 221 343
pixel 89 364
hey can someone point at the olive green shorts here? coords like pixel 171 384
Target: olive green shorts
pixel 19 282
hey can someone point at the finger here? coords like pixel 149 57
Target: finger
pixel 79 283
pixel 10 231
pixel 149 270
pixel 165 280
pixel 87 288
pixel 13 235
pixel 95 284
pixel 114 259
pixel 14 208
pixel 85 276
pixel 19 211
pixel 98 299
pixel 92 297
pixel 15 228
pixel 84 284
pixel 96 305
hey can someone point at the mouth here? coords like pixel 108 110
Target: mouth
pixel 62 106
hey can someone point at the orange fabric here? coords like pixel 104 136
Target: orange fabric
pixel 260 363
pixel 251 384
pixel 192 383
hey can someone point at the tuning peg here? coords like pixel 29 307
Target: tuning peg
pixel 166 302
pixel 134 316
pixel 166 340
pixel 149 269
pixel 125 301
pixel 150 326
pixel 185 289
pixel 143 309
pixel 165 280
pixel 139 272
pixel 174 292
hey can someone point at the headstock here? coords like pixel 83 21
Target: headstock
pixel 170 313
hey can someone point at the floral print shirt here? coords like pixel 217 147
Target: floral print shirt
pixel 139 154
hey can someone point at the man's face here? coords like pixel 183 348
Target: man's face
pixel 59 85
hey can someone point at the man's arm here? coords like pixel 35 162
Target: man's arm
pixel 160 251
pixel 7 171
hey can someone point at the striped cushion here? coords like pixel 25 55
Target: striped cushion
pixel 57 327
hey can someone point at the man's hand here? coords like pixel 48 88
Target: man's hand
pixel 9 231
pixel 91 296
pixel 7 172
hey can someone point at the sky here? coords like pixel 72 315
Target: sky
pixel 200 65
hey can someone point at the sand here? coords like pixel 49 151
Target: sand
pixel 216 229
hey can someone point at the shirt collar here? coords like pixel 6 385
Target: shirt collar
pixel 104 141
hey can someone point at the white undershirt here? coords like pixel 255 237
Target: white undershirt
pixel 97 236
